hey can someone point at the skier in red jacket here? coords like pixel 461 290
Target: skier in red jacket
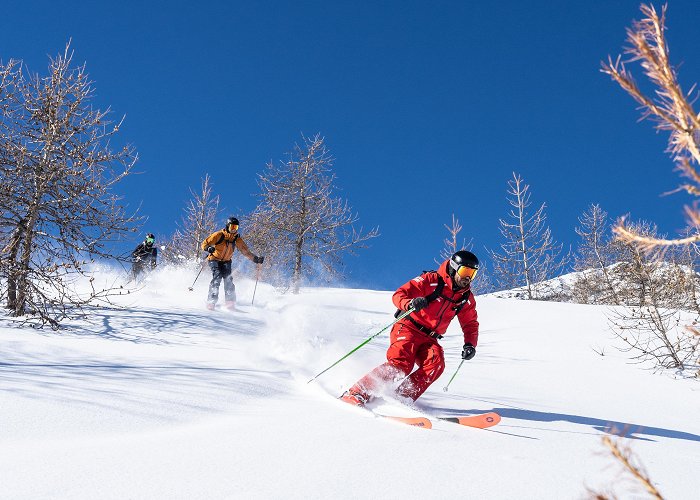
pixel 414 339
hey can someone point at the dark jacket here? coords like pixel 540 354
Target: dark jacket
pixel 145 253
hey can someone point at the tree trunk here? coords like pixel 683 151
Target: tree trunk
pixel 298 253
pixel 22 275
pixel 13 270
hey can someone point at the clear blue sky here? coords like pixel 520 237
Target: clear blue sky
pixel 428 107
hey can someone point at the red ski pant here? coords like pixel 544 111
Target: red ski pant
pixel 408 347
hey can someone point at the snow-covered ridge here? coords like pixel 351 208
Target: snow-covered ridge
pixel 581 286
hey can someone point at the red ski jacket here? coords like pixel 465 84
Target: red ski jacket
pixel 438 314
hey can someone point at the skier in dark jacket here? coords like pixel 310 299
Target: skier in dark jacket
pixel 414 339
pixel 144 253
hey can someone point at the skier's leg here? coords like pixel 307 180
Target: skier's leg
pixel 216 276
pixel 229 286
pixel 400 357
pixel 136 269
pixel 431 363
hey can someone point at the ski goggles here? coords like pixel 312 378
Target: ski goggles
pixel 466 272
pixel 232 227
pixel 150 240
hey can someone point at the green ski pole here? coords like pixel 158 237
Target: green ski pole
pixel 400 317
pixel 453 376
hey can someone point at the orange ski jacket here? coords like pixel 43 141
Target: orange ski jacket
pixel 225 243
pixel 439 313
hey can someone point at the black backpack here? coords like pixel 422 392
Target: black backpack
pixel 438 293
pixel 221 238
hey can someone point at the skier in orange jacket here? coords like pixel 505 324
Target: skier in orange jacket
pixel 414 339
pixel 221 246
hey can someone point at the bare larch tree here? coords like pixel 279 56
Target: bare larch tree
pixel 299 224
pixel 654 292
pixel 670 107
pixel 198 222
pixel 529 255
pixel 10 230
pixel 451 244
pixel 596 253
pixel 60 212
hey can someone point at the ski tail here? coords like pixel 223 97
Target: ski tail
pixel 421 422
pixel 358 402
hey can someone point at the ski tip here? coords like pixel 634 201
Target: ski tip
pixel 483 421
pixel 422 422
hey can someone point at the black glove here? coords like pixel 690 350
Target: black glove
pixel 418 303
pixel 468 351
pixel 258 260
pixel 211 249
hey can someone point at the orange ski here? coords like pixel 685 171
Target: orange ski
pixel 423 422
pixel 482 421
pixel 414 421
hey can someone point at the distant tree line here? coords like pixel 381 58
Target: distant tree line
pixel 658 298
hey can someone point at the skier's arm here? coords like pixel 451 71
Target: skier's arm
pixel 408 291
pixel 209 240
pixel 240 245
pixel 136 254
pixel 468 320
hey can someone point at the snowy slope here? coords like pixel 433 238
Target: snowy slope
pixel 162 399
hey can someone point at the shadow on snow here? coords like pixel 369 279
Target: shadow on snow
pixel 624 429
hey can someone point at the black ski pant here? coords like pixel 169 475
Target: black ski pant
pixel 140 266
pixel 137 269
pixel 221 271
